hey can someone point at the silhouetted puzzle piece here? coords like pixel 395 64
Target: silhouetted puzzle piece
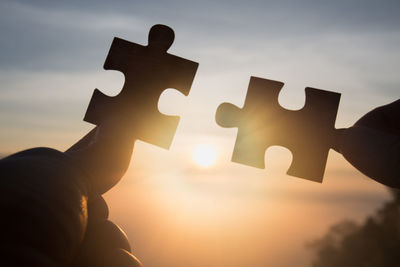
pixel 308 133
pixel 148 70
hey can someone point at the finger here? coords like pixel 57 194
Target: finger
pixel 104 235
pixel 337 141
pixel 97 208
pixel 392 114
pixel 85 141
pixel 374 153
pixel 121 257
pixel 107 157
pixel 101 237
pixel 385 118
pixel 393 108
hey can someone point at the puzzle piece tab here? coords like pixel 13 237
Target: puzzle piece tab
pixel 148 70
pixel 308 133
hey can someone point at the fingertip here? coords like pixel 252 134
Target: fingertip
pixel 97 208
pixel 101 237
pixel 338 139
pixel 107 231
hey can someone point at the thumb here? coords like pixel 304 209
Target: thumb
pixel 373 152
pixel 105 157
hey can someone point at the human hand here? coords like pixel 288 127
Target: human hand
pixel 372 144
pixel 55 215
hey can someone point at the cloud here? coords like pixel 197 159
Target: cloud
pixel 37 38
pixel 345 46
pixel 72 35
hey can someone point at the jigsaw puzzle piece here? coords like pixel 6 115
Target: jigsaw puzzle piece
pixel 308 133
pixel 148 71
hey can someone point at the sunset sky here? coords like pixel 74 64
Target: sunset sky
pixel 176 212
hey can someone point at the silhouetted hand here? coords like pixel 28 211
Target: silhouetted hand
pixel 52 210
pixel 372 145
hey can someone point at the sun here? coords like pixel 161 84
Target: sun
pixel 204 155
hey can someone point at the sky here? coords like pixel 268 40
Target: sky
pixel 175 212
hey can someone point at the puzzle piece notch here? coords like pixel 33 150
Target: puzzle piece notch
pixel 148 71
pixel 308 133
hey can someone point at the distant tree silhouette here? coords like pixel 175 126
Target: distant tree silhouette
pixel 374 243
